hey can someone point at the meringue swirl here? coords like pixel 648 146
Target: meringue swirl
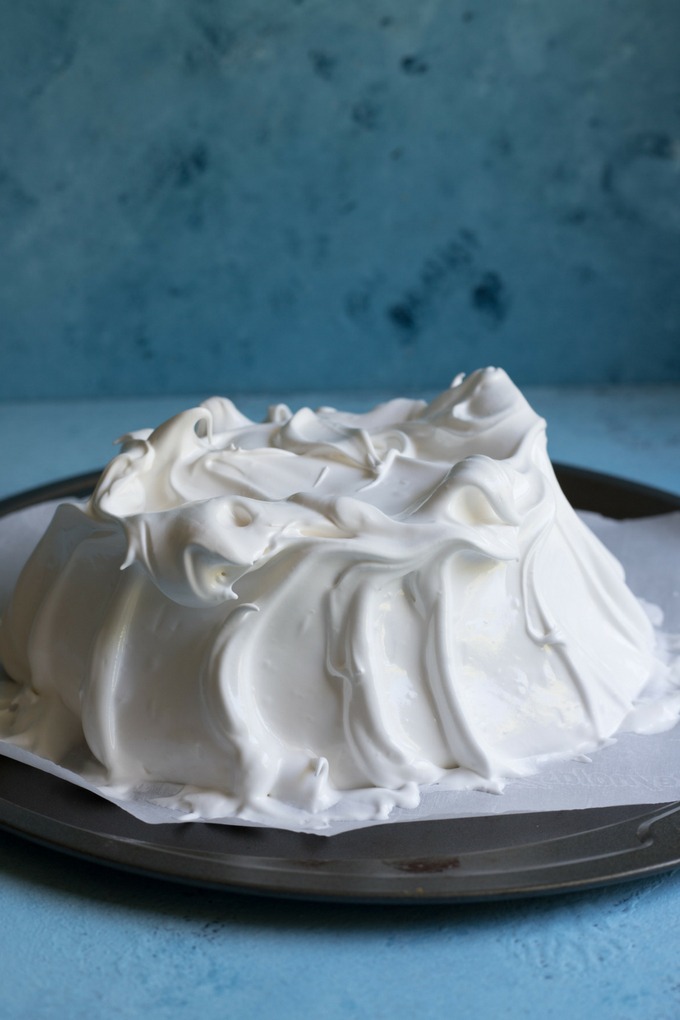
pixel 326 608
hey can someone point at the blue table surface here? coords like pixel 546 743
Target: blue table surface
pixel 78 940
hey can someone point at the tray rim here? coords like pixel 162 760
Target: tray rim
pixel 649 835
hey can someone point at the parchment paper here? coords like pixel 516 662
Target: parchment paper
pixel 635 769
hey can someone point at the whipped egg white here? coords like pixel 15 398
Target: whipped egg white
pixel 324 612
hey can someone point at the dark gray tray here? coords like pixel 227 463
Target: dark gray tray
pixel 441 861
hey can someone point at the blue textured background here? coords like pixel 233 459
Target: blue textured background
pixel 254 195
pixel 363 195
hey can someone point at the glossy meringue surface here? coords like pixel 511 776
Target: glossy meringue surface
pixel 324 611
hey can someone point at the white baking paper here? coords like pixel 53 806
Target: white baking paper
pixel 635 769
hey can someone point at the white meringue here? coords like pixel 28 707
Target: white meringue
pixel 326 606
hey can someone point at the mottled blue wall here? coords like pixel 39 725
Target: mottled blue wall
pixel 263 194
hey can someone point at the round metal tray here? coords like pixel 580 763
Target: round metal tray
pixel 457 860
